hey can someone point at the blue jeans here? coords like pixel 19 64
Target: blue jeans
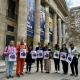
pixel 9 67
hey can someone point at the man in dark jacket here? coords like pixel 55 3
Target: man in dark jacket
pixel 39 60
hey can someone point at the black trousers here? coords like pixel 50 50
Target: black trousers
pixel 28 66
pixel 65 67
pixel 39 61
pixel 74 65
pixel 57 64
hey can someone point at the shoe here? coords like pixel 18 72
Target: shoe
pixel 76 75
pixel 18 75
pixel 48 72
pixel 65 73
pixel 56 72
pixel 36 71
pixel 7 77
pixel 22 74
pixel 11 76
pixel 26 72
pixel 71 74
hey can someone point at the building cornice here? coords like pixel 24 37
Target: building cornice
pixel 62 6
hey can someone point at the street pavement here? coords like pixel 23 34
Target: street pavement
pixel 43 76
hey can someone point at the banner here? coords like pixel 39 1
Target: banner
pixel 34 54
pixel 56 54
pixel 23 53
pixel 42 23
pixel 31 17
pixel 46 54
pixel 39 53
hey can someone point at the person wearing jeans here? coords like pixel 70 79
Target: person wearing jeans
pixel 9 68
pixel 9 64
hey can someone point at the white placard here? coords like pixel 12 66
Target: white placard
pixel 70 58
pixel 56 54
pixel 23 53
pixel 46 54
pixel 63 56
pixel 39 53
pixel 34 54
pixel 12 57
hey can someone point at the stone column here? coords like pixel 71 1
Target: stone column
pixel 22 20
pixel 46 25
pixel 59 32
pixel 3 25
pixel 64 33
pixel 54 29
pixel 37 24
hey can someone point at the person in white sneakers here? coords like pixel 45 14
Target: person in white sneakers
pixel 74 63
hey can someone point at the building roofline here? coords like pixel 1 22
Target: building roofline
pixel 74 8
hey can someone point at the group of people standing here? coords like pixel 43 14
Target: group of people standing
pixel 14 54
pixel 42 54
pixel 46 58
pixel 68 56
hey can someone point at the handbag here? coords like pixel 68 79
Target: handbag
pixel 4 55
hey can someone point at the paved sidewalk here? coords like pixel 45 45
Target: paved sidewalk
pixel 44 76
pixel 2 66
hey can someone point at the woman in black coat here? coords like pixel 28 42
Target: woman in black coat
pixel 57 60
pixel 29 60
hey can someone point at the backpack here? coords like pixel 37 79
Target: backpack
pixel 4 55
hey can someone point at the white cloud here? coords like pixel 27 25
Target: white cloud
pixel 73 3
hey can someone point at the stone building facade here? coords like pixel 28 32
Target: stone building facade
pixel 13 21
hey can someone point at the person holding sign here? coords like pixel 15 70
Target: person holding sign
pixel 47 62
pixel 21 55
pixel 74 61
pixel 29 60
pixel 39 50
pixel 57 58
pixel 63 56
pixel 10 58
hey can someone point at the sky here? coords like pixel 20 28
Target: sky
pixel 73 3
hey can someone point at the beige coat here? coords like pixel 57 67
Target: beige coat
pixel 47 65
